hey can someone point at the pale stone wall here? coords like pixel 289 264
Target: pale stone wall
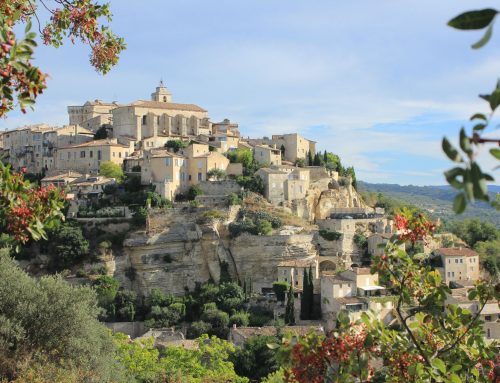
pixel 219 187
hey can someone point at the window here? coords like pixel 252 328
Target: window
pixel 456 260
pixel 449 260
pixel 487 318
pixel 114 154
pixel 168 161
pixel 453 274
pixel 119 154
pixel 461 260
pixel 199 164
pixel 200 176
pixel 183 176
pixel 69 155
pixel 190 177
pixel 82 154
pixel 144 120
pixel 296 283
pixel 91 153
pixel 99 155
pixel 158 120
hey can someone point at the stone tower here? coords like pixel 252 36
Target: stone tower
pixel 162 94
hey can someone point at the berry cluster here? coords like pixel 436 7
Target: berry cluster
pixel 413 227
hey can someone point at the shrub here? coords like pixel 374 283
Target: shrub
pixel 330 235
pixel 213 214
pixel 106 288
pixel 158 298
pixel 251 183
pixel 280 288
pixel 140 216
pixel 264 227
pixel 176 145
pixel 209 306
pixel 239 319
pixel 234 199
pixel 66 245
pixel 216 174
pixel 111 170
pixel 180 308
pixel 194 191
pixel 217 318
pixel 197 329
pixel 194 203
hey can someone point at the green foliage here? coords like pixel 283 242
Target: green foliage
pixel 216 174
pixel 275 377
pixel 209 363
pixel 105 212
pixel 290 310
pixel 48 321
pixel 106 288
pixel 219 320
pixel 241 156
pixel 280 288
pixel 66 245
pixel 300 162
pixel 101 133
pixel 254 184
pixel 240 319
pixel 255 359
pixel 197 329
pixel 330 235
pixel 473 231
pixel 140 216
pixel 234 199
pixel 194 191
pixel 176 145
pixel 361 241
pixel 225 276
pixel 111 170
pixel 254 222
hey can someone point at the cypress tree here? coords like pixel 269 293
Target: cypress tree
pixel 310 291
pixel 317 160
pixel 309 158
pixel 290 311
pixel 282 151
pixel 305 304
pixel 325 157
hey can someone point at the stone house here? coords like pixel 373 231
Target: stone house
pixel 33 147
pixel 459 264
pixel 292 271
pixel 173 173
pixel 91 115
pixel 223 142
pixel 353 291
pixel 60 180
pixel 226 127
pixel 91 187
pixel 281 186
pixel 88 157
pixel 375 242
pixel 295 145
pixel 265 154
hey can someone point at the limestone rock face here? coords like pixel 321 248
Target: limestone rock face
pixel 190 251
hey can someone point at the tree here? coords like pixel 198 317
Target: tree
pixel 310 158
pixel 290 307
pixel 27 211
pixel 467 176
pixel 111 170
pixel 305 303
pixel 310 292
pixel 474 230
pixel 317 160
pixel 67 246
pixel 240 319
pixel 283 149
pixel 21 81
pixel 46 321
pixel 176 145
pixel 216 174
pixel 101 133
pixel 106 288
pixel 241 156
pixel 194 191
pixel 280 289
pixel 432 341
pixel 255 359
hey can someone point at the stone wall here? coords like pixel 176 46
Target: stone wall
pixel 219 187
pixel 133 329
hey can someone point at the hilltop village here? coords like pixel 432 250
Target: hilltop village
pixel 267 214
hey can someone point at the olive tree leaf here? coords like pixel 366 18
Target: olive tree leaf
pixel 484 40
pixel 473 19
pixel 495 153
pixel 459 203
pixel 465 142
pixel 479 116
pixel 450 151
pixel 451 177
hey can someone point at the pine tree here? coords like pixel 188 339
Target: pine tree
pixel 310 292
pixel 290 310
pixel 317 160
pixel 305 304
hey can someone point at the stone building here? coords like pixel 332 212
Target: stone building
pixel 173 173
pixel 281 186
pixel 92 115
pixel 33 147
pixel 459 264
pixel 61 180
pixel 265 154
pixel 226 127
pixel 88 157
pixel 159 117
pixel 354 292
pixel 292 271
pixel 294 144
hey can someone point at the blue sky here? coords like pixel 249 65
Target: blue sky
pixel 378 82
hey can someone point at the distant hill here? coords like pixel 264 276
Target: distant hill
pixel 437 200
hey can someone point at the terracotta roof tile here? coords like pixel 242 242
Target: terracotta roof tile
pixel 457 251
pixel 167 105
